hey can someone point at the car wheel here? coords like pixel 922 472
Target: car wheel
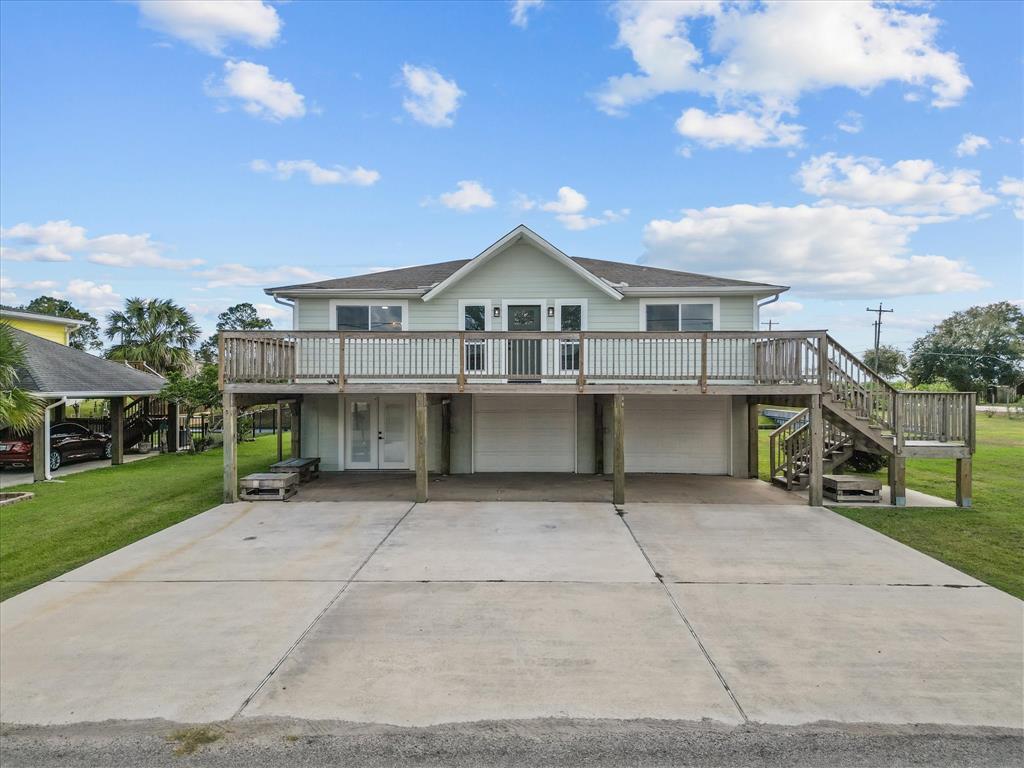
pixel 108 451
pixel 55 460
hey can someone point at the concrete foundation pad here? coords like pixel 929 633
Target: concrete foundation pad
pixel 747 543
pixel 190 652
pixel 417 654
pixel 509 541
pixel 272 541
pixel 797 654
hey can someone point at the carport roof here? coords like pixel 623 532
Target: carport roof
pixel 53 370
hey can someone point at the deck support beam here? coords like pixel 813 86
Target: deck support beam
pixel 598 434
pixel 116 431
pixel 296 408
pixel 421 447
pixel 279 429
pixel 897 481
pixel 230 450
pixel 172 426
pixel 963 482
pixel 619 450
pixel 753 414
pixel 446 436
pixel 817 449
pixel 39 457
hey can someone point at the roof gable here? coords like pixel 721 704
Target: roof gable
pixel 521 233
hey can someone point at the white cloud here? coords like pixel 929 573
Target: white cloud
pixel 469 195
pixel 8 286
pixel 273 311
pixel 741 130
pixel 759 59
pixel 223 275
pixel 336 174
pixel 970 144
pixel 851 122
pixel 261 95
pixel 210 25
pixel 828 250
pixel 86 294
pixel 569 208
pixel 783 308
pixel 431 99
pixel 569 201
pixel 1013 189
pixel 908 186
pixel 520 11
pixel 60 240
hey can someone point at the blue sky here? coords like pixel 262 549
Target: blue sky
pixel 171 150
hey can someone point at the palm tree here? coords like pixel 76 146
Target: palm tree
pixel 18 410
pixel 157 332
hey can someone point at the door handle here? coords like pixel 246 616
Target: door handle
pixel 380 435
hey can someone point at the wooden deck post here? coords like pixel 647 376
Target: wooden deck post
pixel 116 430
pixel 753 414
pixel 39 457
pixel 898 481
pixel 172 426
pixel 963 482
pixel 421 447
pixel 230 450
pixel 817 449
pixel 279 429
pixel 296 409
pixel 619 449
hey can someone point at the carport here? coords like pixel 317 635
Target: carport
pixel 56 373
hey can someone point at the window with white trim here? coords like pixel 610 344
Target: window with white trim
pixel 384 318
pixel 684 316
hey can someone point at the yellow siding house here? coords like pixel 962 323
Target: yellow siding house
pixel 49 327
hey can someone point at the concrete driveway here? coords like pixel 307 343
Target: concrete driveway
pixel 388 612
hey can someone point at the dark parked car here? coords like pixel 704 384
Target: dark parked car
pixel 68 442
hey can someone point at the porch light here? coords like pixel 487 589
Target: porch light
pixel 497 312
pixel 551 311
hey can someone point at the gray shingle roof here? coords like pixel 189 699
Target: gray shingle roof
pixel 615 272
pixel 53 369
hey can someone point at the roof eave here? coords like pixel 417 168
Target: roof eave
pixel 65 321
pixel 707 290
pixel 331 293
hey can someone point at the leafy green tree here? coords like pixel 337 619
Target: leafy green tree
pixel 891 362
pixel 972 349
pixel 18 409
pixel 195 393
pixel 84 337
pixel 240 317
pixel 157 332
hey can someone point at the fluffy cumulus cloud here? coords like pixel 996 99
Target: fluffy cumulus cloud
pixel 336 174
pixel 970 144
pixel 467 196
pixel 761 58
pixel 430 98
pixel 831 250
pixel 61 241
pixel 85 294
pixel 570 208
pixel 210 25
pixel 740 130
pixel 260 93
pixel 229 275
pixel 1014 190
pixel 907 186
pixel 520 11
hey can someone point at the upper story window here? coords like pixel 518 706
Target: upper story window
pixel 474 317
pixel 571 317
pixel 369 317
pixel 682 316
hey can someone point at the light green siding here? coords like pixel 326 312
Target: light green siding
pixel 523 272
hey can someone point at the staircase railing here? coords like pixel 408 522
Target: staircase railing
pixel 790 447
pixel 862 389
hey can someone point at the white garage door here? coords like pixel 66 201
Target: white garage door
pixel 677 434
pixel 524 433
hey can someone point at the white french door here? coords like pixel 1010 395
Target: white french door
pixel 378 432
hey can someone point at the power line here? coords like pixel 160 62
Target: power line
pixel 878 326
pixel 770 323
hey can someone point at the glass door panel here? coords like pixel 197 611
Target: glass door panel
pixel 361 434
pixel 393 418
pixel 524 355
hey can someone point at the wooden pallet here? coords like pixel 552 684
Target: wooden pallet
pixel 851 488
pixel 307 469
pixel 269 486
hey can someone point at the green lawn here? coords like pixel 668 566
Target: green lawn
pixel 92 513
pixel 986 541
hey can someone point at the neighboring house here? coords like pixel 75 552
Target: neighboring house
pixel 524 359
pixel 50 327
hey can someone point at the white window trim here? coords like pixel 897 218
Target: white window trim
pixel 714 301
pixel 542 303
pixel 333 304
pixel 460 321
pixel 571 302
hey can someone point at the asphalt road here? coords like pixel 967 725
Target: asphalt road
pixel 253 743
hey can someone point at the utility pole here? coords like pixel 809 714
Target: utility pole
pixel 770 323
pixel 878 327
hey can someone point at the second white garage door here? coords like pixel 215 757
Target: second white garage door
pixel 677 434
pixel 524 433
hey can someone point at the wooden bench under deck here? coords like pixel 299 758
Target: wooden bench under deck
pixel 269 486
pixel 307 469
pixel 851 488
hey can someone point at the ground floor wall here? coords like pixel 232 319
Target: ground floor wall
pixel 700 434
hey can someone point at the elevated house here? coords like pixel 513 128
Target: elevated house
pixel 524 359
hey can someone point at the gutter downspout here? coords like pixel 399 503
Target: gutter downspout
pixel 46 434
pixel 760 304
pixel 286 303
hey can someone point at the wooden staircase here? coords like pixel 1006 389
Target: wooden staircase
pixel 142 418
